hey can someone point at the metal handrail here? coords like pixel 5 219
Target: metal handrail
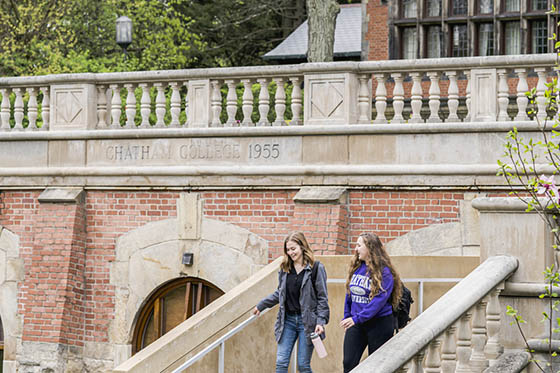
pixel 219 342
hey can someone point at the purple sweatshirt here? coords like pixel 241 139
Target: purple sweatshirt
pixel 357 304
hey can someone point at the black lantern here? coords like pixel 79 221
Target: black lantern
pixel 124 32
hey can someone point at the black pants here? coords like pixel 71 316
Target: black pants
pixel 373 333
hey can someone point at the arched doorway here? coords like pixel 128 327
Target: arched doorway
pixel 169 305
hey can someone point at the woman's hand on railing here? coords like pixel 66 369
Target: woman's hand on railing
pixel 347 323
pixel 256 311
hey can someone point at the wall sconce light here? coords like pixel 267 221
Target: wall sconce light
pixel 188 259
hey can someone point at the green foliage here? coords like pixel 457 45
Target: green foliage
pixel 62 36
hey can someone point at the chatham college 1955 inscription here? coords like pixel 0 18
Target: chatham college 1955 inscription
pixel 194 151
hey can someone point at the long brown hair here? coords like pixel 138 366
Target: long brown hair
pixel 375 262
pixel 308 257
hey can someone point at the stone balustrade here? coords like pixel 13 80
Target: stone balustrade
pixel 458 333
pixel 335 93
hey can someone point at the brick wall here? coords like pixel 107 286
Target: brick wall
pixel 377 33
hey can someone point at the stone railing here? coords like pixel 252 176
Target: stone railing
pixel 335 93
pixel 458 333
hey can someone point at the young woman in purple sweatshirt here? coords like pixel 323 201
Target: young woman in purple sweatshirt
pixel 373 288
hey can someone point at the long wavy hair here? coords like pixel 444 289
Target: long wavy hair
pixel 308 257
pixel 375 262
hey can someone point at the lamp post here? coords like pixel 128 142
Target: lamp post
pixel 124 33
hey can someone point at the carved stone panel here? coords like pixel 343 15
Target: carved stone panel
pixel 484 95
pixel 198 112
pixel 331 99
pixel 73 107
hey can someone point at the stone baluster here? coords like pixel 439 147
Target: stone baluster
pixel 247 103
pixel 541 89
pixel 130 108
pixel 417 360
pixel 280 102
pixel 18 109
pixel 468 95
pixel 478 360
pixel 145 105
pixel 264 103
pixel 216 105
pixel 448 351
pixel 187 113
pixel 381 98
pixel 434 97
pixel 464 344
pixel 175 105
pixel 503 95
pixel 493 347
pixel 452 96
pixel 101 106
pixel 45 108
pixel 398 98
pixel 115 106
pixel 363 99
pixel 416 98
pixel 160 105
pixel 433 359
pixel 522 100
pixel 32 108
pixel 5 109
pixel 231 103
pixel 296 101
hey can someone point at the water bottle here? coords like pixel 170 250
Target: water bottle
pixel 319 346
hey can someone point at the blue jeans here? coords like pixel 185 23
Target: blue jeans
pixel 293 330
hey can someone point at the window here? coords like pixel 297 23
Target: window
pixel 539 5
pixel 512 38
pixel 486 39
pixel 434 8
pixel 434 42
pixel 486 6
pixel 459 7
pixel 170 305
pixel 538 37
pixel 409 43
pixel 460 45
pixel 512 5
pixel 409 8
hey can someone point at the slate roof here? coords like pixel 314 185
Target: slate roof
pixel 347 37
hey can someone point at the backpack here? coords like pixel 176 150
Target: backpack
pixel 401 314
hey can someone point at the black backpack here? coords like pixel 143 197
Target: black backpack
pixel 401 314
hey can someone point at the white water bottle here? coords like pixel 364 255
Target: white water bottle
pixel 319 346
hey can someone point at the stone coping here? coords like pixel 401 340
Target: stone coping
pixel 280 170
pixel 312 130
pixel 505 204
pixel 436 319
pixel 463 63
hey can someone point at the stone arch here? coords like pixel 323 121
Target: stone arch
pixel 11 273
pixel 151 255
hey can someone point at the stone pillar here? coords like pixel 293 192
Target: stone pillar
pixel 332 99
pixel 199 111
pixel 506 228
pixel 321 214
pixel 73 107
pixel 484 96
pixel 53 293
